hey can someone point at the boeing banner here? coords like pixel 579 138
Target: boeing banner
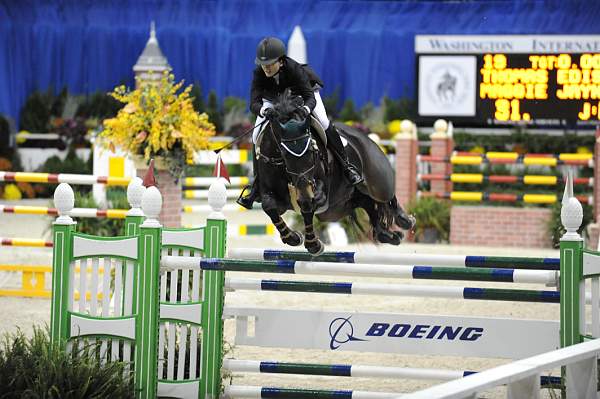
pixel 394 333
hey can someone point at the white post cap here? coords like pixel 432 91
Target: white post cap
pixel 151 205
pixel 217 198
pixel 571 212
pixel 135 191
pixel 64 201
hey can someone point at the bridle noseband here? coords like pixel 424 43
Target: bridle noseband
pixel 284 144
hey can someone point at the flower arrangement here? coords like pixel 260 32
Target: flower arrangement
pixel 158 120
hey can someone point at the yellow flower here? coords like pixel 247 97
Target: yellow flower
pixel 158 119
pixel 12 192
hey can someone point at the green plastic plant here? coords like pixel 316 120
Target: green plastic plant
pixel 430 213
pixel 37 368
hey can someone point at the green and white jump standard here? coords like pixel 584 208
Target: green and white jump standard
pixel 160 306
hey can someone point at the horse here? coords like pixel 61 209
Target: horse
pixel 297 172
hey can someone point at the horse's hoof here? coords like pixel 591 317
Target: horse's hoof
pixel 316 248
pixel 390 237
pixel 404 221
pixel 294 239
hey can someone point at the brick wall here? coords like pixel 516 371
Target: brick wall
pixel 406 169
pixel 500 226
pixel 170 215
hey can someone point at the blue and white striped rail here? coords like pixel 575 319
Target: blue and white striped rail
pixel 341 370
pixel 546 277
pixel 350 370
pixel 422 291
pixel 400 258
pixel 243 391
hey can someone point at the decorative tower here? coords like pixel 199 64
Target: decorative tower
pixel 152 63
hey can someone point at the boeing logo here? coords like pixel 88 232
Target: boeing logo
pixel 341 331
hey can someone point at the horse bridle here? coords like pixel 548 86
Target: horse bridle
pixel 280 142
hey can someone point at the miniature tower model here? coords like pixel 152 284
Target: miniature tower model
pixel 152 63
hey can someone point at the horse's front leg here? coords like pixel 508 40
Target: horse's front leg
pixel 288 236
pixel 306 201
pixel 311 241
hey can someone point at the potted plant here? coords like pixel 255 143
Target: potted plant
pixel 433 219
pixel 158 121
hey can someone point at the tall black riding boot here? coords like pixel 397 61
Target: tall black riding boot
pixel 335 144
pixel 254 195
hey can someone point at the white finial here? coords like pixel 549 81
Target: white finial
pixel 135 190
pixel 151 205
pixel 450 130
pixel 571 212
pixel 440 128
pixel 152 30
pixel 64 201
pixel 217 197
pixel 406 127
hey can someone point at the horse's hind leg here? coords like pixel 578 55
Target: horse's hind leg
pixel 401 218
pixel 380 221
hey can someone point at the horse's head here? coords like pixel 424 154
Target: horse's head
pixel 291 130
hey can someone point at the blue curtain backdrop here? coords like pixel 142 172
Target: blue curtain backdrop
pixel 366 48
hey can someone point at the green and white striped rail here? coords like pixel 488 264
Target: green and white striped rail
pixel 422 291
pixel 365 270
pixel 498 262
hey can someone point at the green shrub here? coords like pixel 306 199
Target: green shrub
pixel 71 164
pixel 349 112
pixel 116 198
pixel 431 213
pixel 36 368
pixel 331 103
pixel 99 105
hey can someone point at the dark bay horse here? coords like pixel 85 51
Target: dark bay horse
pixel 295 168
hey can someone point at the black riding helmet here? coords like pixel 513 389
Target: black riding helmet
pixel 269 50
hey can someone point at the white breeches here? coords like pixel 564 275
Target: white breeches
pixel 318 112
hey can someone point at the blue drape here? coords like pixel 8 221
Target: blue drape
pixel 366 48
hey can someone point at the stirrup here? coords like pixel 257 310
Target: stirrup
pixel 247 200
pixel 353 175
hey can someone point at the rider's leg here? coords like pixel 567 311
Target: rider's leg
pixel 254 195
pixel 335 143
pixel 247 200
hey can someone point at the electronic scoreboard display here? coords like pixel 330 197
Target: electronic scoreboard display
pixel 504 80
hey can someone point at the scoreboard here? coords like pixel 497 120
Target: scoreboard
pixel 504 80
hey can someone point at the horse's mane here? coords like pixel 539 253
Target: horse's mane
pixel 287 103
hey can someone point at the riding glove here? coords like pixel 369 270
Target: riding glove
pixel 270 113
pixel 303 111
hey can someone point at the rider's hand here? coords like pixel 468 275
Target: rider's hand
pixel 270 114
pixel 297 101
pixel 303 111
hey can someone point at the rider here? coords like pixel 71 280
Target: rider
pixel 274 73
